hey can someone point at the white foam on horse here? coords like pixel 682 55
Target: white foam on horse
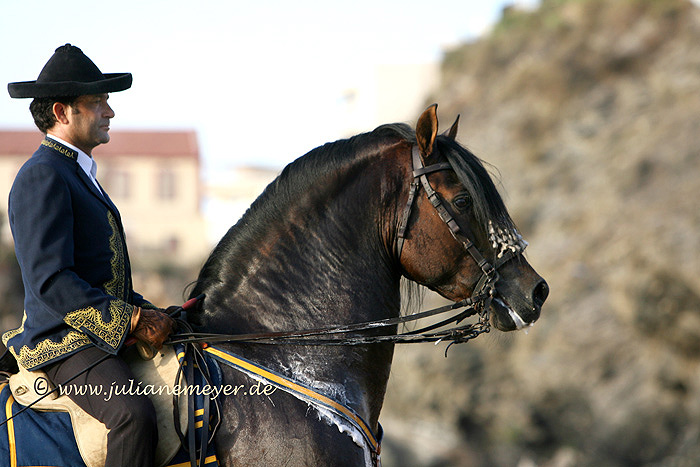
pixel 502 241
pixel 303 373
pixel 345 427
pixel 520 324
pixel 332 419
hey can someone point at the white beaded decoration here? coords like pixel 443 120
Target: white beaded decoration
pixel 502 240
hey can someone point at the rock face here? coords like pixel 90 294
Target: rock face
pixel 590 111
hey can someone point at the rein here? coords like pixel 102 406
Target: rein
pixel 350 334
pixel 367 332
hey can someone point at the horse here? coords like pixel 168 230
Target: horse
pixel 327 243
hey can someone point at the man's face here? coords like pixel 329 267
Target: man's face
pixel 89 121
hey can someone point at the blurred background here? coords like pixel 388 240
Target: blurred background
pixel 588 110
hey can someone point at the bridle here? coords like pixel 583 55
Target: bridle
pixel 381 330
pixel 485 287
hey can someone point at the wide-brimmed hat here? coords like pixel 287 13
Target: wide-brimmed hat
pixel 69 72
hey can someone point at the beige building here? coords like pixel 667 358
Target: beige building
pixel 230 193
pixel 152 177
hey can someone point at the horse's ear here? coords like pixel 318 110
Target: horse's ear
pixel 452 132
pixel 426 131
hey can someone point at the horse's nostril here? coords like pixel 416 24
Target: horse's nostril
pixel 540 294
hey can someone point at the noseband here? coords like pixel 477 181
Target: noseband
pixel 486 286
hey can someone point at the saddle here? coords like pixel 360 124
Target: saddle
pixel 90 434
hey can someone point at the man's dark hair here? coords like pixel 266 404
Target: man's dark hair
pixel 42 110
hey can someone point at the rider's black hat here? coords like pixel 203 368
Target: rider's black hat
pixel 69 72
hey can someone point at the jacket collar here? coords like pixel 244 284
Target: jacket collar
pixel 85 162
pixel 73 153
pixel 60 147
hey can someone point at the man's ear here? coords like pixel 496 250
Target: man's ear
pixel 60 111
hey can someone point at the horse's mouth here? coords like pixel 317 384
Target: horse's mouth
pixel 505 318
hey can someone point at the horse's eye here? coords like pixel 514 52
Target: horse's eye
pixel 462 202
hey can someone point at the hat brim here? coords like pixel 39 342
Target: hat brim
pixel 113 82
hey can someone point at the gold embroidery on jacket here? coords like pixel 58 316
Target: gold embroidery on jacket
pixel 88 318
pixel 48 350
pixel 68 152
pixel 117 285
pixel 111 331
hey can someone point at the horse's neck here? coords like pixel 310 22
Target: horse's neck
pixel 289 297
pixel 315 272
pixel 321 260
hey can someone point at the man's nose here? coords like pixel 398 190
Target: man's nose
pixel 108 113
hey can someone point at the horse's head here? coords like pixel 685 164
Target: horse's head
pixel 457 238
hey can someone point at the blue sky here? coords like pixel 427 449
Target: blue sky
pixel 261 82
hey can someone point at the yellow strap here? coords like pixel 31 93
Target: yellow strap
pixel 10 429
pixel 207 461
pixel 283 382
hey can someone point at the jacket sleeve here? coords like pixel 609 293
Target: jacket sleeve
pixel 42 221
pixel 138 300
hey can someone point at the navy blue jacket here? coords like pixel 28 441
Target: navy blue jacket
pixel 70 246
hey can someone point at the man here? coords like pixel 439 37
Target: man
pixel 69 241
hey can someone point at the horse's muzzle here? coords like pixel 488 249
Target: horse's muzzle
pixel 510 314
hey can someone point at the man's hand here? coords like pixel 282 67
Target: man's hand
pixel 153 327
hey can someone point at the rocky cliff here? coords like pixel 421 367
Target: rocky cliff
pixel 590 111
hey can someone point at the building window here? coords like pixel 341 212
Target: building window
pixel 166 185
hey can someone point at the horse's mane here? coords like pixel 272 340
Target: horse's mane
pixel 321 168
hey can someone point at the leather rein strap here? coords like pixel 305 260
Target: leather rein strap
pixel 383 330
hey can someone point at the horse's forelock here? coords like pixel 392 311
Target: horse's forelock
pixel 471 171
pixel 487 202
